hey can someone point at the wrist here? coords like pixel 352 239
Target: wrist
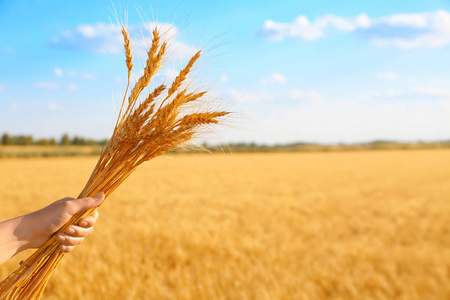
pixel 23 233
pixel 29 233
pixel 14 238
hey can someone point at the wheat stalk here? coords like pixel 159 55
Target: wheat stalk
pixel 141 133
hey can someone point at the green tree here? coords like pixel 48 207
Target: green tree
pixel 78 141
pixel 24 140
pixel 65 140
pixel 7 140
pixel 43 142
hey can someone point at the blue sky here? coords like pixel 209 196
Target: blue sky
pixel 317 71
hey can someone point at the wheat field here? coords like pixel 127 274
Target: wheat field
pixel 340 225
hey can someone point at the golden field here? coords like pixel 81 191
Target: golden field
pixel 340 225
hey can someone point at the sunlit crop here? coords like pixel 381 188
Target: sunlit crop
pixel 348 225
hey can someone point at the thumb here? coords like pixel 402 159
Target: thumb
pixel 88 202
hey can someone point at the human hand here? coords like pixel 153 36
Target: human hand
pixel 44 222
pixel 34 229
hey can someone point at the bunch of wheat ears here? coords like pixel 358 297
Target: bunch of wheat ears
pixel 167 117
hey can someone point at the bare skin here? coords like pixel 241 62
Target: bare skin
pixel 34 229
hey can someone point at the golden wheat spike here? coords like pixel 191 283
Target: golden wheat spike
pixel 194 96
pixel 128 55
pixel 202 118
pixel 182 76
pixel 153 65
pixel 129 63
pixel 145 104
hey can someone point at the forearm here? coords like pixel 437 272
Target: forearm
pixel 13 237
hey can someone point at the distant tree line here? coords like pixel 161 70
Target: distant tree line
pixel 65 140
pixel 316 147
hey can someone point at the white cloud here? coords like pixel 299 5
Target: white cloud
pixel 306 95
pixel 304 29
pixel 13 106
pixel 274 78
pixel 46 85
pixel 388 75
pixel 91 31
pixel 58 72
pixel 415 92
pixel 296 94
pixel 406 31
pixel 72 86
pixel 244 96
pixel 54 107
pixel 88 76
pixel 2 88
pixel 169 74
pixel 431 91
pixel 106 38
pixel 316 96
pixel 223 78
pixel 99 38
pixel 391 93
